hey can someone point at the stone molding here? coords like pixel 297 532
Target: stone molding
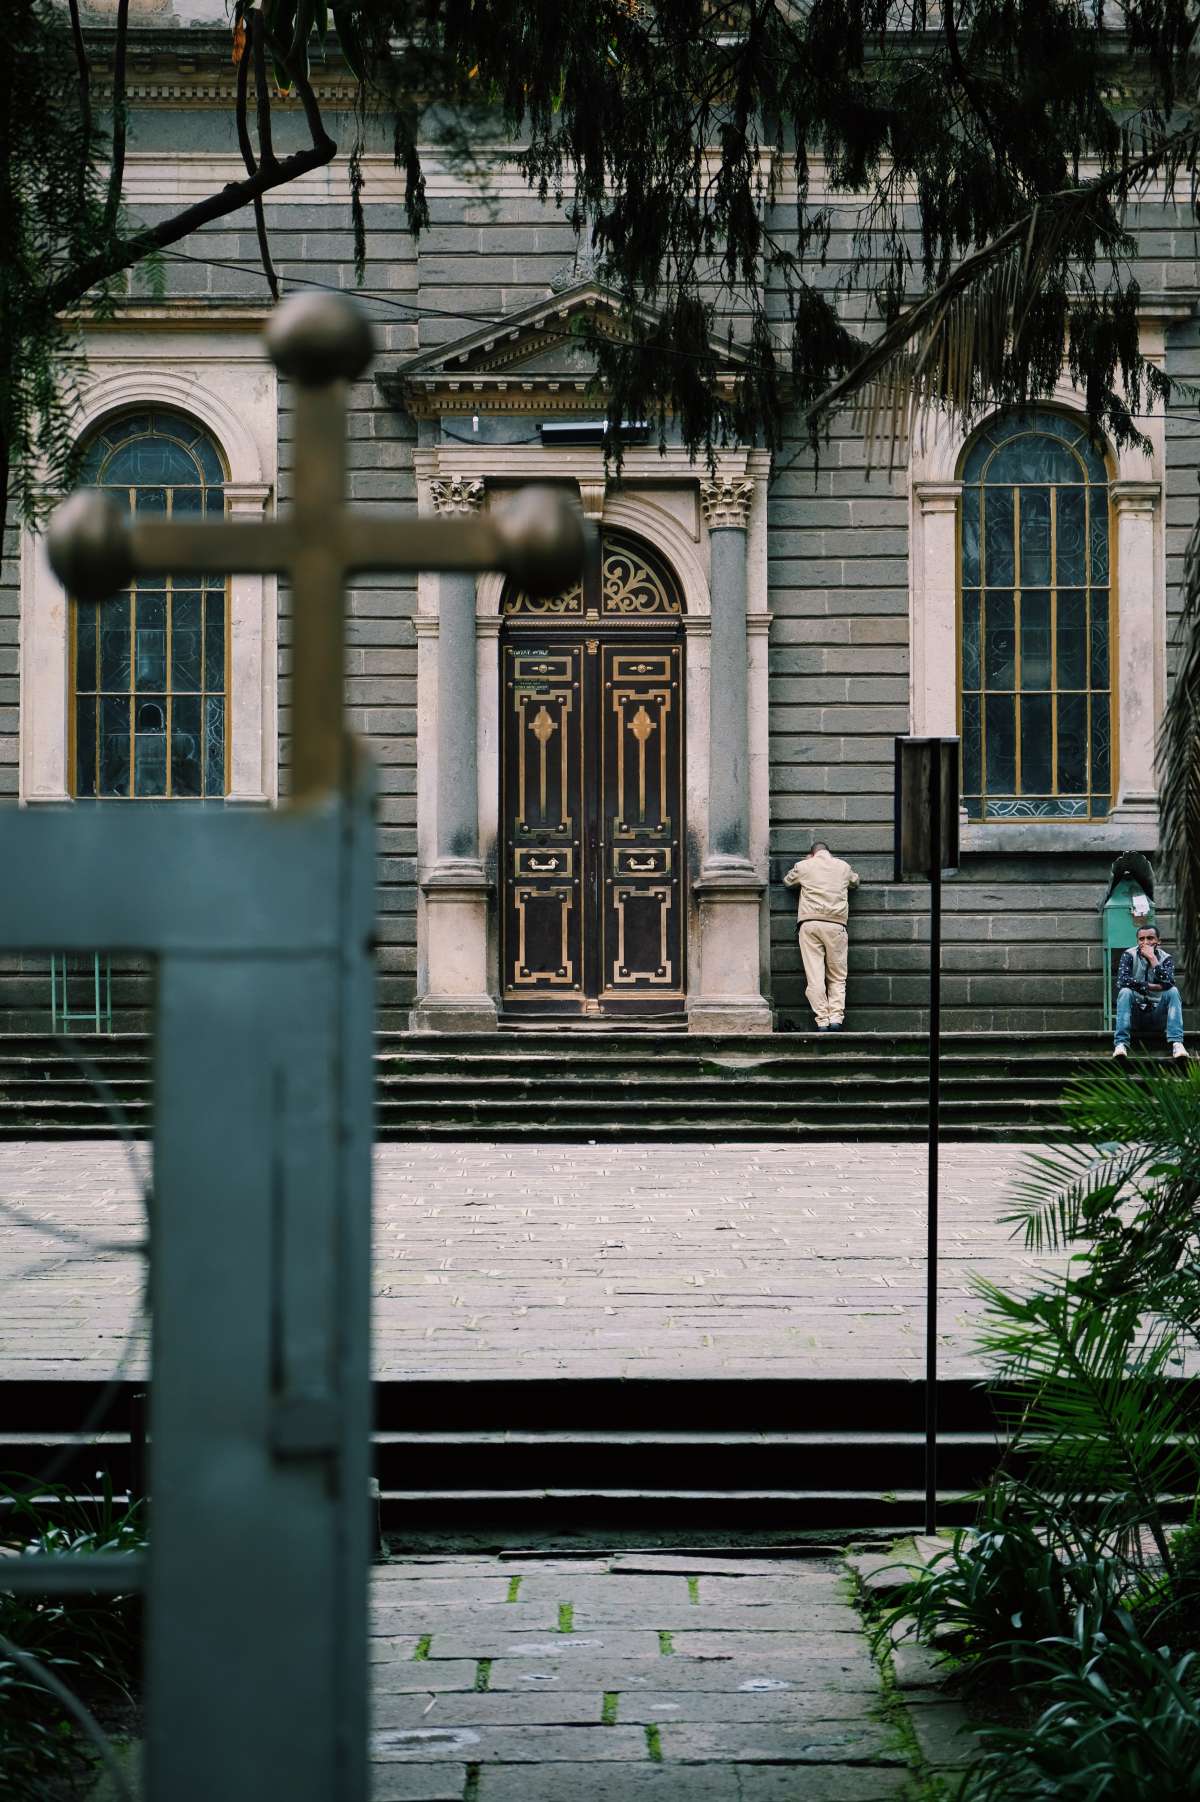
pixel 658 498
pixel 457 494
pixel 726 503
pixel 1138 559
pixel 225 382
pixel 591 498
pixel 1135 497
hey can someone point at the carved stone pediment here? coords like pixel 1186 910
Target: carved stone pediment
pixel 532 360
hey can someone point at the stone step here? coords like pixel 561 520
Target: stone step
pixel 571 1087
pixel 515 1461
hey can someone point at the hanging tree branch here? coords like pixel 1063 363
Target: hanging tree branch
pixel 116 171
pixel 85 82
pixel 70 287
pixel 254 29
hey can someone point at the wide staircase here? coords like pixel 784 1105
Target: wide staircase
pixel 608 1087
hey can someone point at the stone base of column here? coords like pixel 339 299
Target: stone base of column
pixel 728 997
pixel 1137 817
pixel 456 998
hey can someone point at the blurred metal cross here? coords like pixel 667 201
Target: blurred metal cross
pixel 322 341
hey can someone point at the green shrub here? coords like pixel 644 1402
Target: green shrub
pixel 90 1643
pixel 1118 1722
pixel 1021 1576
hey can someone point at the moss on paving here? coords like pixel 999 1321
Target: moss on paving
pixel 421 1649
pixel 514 1589
pixel 890 1709
pixel 653 1743
pixel 483 1674
pixel 566 1617
pixel 608 1714
pixel 666 1643
pixel 693 1584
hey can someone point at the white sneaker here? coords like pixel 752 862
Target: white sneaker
pixel 1178 1049
pixel 1120 1051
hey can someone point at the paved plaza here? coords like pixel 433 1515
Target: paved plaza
pixel 552 1260
pixel 618 1678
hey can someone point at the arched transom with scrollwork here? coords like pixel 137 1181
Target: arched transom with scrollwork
pixel 626 582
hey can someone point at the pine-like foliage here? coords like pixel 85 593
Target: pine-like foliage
pixel 986 150
pixel 981 155
pixel 52 214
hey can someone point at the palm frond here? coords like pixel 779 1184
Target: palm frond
pixel 1061 1194
pixel 1094 1398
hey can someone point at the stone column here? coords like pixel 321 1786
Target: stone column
pixel 253 655
pixel 729 995
pixel 455 890
pixel 933 626
pixel 457 774
pixel 1137 653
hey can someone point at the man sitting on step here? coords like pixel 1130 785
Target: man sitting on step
pixel 824 882
pixel 1146 992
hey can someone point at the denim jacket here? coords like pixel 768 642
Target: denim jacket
pixel 1133 968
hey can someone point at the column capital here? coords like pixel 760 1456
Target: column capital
pixel 937 497
pixel 247 497
pixel 1136 497
pixel 457 494
pixel 726 502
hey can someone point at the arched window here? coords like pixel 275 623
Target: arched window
pixel 1035 623
pixel 148 668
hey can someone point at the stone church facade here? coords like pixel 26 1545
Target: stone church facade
pixel 587 804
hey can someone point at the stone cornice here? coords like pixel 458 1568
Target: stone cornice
pixel 187 312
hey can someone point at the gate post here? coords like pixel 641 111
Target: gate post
pixel 260 1408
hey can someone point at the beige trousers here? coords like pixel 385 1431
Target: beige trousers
pixel 823 947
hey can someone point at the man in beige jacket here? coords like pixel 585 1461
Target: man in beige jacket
pixel 824 882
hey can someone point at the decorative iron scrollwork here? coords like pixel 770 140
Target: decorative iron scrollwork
pixel 632 586
pixel 629 585
pixel 542 606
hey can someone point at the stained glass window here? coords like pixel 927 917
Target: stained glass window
pixel 149 667
pixel 1035 608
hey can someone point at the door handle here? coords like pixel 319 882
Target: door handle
pixel 552 864
pixel 640 869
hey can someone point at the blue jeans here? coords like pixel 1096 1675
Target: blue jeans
pixel 1165 1010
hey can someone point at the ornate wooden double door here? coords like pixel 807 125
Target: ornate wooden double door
pixel 592 793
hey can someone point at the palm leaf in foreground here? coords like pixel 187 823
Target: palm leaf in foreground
pixel 1092 1391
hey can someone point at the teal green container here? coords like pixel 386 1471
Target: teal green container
pixel 1119 926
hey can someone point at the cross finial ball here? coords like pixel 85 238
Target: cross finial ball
pixel 319 338
pixel 87 541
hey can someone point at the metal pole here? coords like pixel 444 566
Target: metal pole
pixel 931 1211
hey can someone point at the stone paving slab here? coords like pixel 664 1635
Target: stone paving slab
pixel 765 1671
pixel 552 1260
pixel 682 1618
pixel 616 1783
pixel 418 1783
pixel 786 1713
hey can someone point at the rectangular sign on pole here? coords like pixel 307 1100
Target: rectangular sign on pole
pixel 926 847
pixel 917 799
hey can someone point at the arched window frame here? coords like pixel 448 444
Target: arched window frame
pixel 181 693
pixel 1096 580
pixel 933 491
pixel 222 378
